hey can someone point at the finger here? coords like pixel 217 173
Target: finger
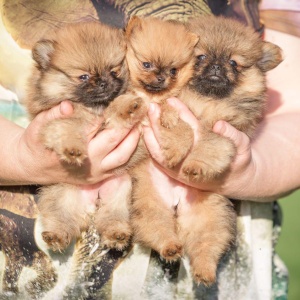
pixel 184 113
pixel 154 120
pixel 106 141
pixel 154 114
pixel 64 109
pixel 240 139
pixel 152 144
pixel 121 154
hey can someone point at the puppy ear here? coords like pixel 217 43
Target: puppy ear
pixel 42 52
pixel 272 57
pixel 133 24
pixel 194 39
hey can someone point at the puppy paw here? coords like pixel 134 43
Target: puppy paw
pixel 55 241
pixel 196 170
pixel 116 239
pixel 171 251
pixel 204 272
pixel 125 111
pixel 134 111
pixel 172 156
pixel 192 170
pixel 73 156
pixel 169 118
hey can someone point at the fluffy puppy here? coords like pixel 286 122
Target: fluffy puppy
pixel 160 57
pixel 83 63
pixel 158 70
pixel 228 84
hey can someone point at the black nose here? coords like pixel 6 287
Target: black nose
pixel 102 84
pixel 215 68
pixel 161 79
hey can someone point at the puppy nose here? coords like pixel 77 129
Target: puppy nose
pixel 161 79
pixel 101 83
pixel 216 67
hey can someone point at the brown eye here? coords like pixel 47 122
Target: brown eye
pixel 233 63
pixel 84 77
pixel 113 74
pixel 173 72
pixel 115 71
pixel 147 65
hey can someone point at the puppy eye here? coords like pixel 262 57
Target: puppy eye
pixel 113 74
pixel 84 77
pixel 173 71
pixel 115 71
pixel 201 57
pixel 147 65
pixel 233 63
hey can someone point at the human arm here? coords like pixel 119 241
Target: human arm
pixel 24 160
pixel 268 167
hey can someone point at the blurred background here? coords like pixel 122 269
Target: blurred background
pixel 288 246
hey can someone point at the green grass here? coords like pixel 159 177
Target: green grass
pixel 288 246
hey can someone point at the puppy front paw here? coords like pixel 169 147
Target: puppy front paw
pixel 196 170
pixel 173 156
pixel 126 110
pixel 73 155
pixel 169 118
pixel 175 143
pixel 134 111
pixel 56 242
pixel 193 170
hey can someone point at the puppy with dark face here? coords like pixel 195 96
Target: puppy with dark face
pixel 85 64
pixel 228 84
pixel 71 66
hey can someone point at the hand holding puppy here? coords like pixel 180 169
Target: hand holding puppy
pixel 29 163
pixel 242 162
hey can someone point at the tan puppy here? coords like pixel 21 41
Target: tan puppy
pixel 83 63
pixel 228 83
pixel 160 66
pixel 160 57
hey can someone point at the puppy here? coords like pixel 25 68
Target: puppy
pixel 83 63
pixel 160 58
pixel 228 83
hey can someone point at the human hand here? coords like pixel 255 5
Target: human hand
pixel 242 167
pixel 29 162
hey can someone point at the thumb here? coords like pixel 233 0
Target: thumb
pixel 153 114
pixel 240 139
pixel 64 109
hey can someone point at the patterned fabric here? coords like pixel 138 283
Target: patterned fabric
pixel 86 270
